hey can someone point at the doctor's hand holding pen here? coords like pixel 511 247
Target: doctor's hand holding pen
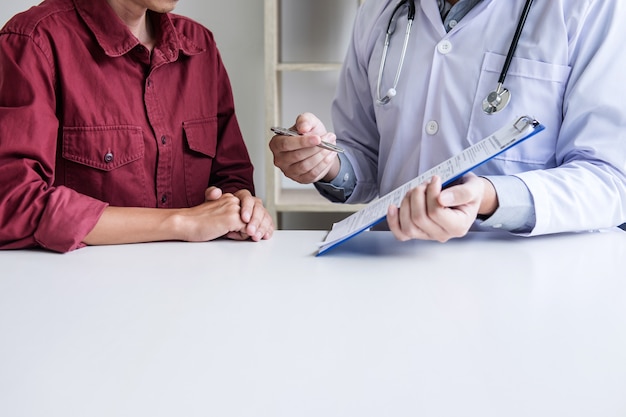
pixel 308 157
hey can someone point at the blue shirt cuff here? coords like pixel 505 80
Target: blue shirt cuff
pixel 340 188
pixel 516 210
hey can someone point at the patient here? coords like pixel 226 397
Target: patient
pixel 118 126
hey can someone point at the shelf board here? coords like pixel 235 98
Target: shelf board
pixel 302 200
pixel 308 66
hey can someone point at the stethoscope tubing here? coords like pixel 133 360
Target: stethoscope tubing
pixel 513 47
pixel 498 94
pixel 410 17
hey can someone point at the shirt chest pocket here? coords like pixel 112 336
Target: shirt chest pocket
pixel 537 90
pixel 199 157
pixel 105 162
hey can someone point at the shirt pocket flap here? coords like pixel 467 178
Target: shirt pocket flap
pixel 103 147
pixel 201 136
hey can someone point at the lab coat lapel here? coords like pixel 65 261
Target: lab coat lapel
pixel 430 9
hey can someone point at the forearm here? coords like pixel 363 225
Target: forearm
pixel 119 225
pixel 219 216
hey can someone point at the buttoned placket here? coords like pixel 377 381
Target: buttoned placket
pixel 156 119
pixel 432 125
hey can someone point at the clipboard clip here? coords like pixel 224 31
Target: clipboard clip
pixel 521 125
pixel 523 122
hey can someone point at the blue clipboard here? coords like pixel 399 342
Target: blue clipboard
pixel 449 171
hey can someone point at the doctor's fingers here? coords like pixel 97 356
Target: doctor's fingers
pixel 313 168
pixel 282 143
pixel 288 161
pixel 425 212
pixel 454 221
pixel 310 123
pixel 409 221
pixel 468 190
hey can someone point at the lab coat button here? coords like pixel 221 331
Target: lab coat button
pixel 432 127
pixel 444 47
pixel 108 157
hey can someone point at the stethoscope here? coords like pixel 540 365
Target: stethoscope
pixel 495 100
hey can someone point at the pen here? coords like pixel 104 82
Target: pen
pixel 289 132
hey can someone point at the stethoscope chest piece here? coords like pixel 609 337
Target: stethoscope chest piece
pixel 496 100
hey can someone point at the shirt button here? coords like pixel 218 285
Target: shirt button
pixel 444 47
pixel 452 23
pixel 432 127
pixel 108 157
pixel 164 199
pixel 163 139
pixel 497 226
pixel 149 83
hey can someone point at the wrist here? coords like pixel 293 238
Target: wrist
pixel 175 225
pixel 333 171
pixel 489 202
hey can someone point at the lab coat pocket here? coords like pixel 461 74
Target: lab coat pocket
pixel 104 162
pixel 537 89
pixel 201 141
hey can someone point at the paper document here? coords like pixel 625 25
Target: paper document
pixel 449 171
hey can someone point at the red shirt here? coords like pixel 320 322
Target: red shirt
pixel 89 118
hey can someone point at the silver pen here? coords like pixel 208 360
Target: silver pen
pixel 289 132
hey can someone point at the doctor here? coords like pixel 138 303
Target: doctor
pixel 470 67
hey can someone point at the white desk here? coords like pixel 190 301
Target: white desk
pixel 482 326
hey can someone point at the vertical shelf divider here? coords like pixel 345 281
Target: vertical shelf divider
pixel 278 199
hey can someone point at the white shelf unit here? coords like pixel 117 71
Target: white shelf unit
pixel 281 197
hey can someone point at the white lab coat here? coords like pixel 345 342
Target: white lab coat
pixel 568 72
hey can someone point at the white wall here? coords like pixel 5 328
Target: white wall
pixel 238 29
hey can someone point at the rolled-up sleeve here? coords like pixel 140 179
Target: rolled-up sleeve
pixel 33 212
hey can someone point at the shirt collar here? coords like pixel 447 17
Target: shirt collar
pixel 116 39
pixel 452 15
